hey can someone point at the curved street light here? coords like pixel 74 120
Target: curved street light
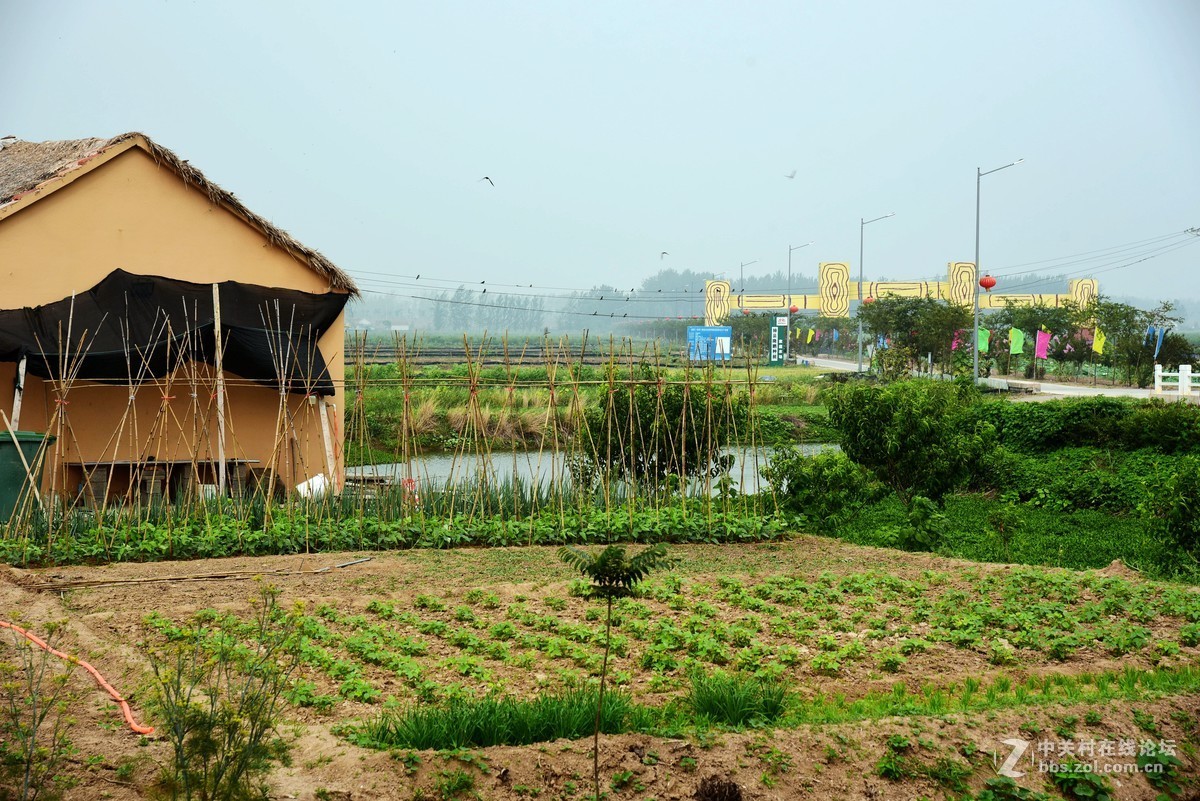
pixel 862 224
pixel 787 348
pixel 742 274
pixel 975 288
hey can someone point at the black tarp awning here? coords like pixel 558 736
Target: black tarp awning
pixel 129 328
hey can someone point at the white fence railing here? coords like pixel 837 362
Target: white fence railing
pixel 1179 382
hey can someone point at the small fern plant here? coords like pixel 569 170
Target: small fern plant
pixel 612 574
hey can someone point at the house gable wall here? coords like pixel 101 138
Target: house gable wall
pixel 134 214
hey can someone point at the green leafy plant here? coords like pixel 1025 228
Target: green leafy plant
pixel 485 722
pixel 1162 770
pixel 1075 780
pixel 1002 788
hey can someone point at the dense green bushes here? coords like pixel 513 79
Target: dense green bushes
pixel 1091 422
pixel 824 487
pixel 912 435
pixel 1031 535
pixel 1077 478
pixel 1175 503
pixel 1073 483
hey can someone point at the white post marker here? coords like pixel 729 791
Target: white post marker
pixel 1158 376
pixel 18 394
pixel 1185 379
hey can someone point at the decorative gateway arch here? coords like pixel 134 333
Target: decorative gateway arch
pixel 835 290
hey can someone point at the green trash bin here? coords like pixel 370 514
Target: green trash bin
pixel 13 477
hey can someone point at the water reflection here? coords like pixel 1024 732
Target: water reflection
pixel 546 468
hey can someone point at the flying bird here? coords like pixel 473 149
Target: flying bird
pixel 790 175
pixel 489 180
pixel 418 276
pixel 664 253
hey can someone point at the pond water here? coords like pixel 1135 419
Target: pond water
pixel 543 467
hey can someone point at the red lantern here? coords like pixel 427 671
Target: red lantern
pixel 987 282
pixel 745 311
pixel 793 309
pixel 869 299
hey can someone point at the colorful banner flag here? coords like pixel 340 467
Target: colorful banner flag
pixel 835 335
pixel 1098 341
pixel 817 335
pixel 957 340
pixel 1016 342
pixel 983 340
pixel 1149 335
pixel 1041 345
pixel 1162 332
pixel 808 341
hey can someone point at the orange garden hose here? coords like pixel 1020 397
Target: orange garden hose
pixel 39 642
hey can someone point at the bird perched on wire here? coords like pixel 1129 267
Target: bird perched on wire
pixel 489 180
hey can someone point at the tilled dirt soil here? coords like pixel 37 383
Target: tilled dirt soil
pixel 103 610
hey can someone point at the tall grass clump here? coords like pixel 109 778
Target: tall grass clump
pixel 479 723
pixel 737 700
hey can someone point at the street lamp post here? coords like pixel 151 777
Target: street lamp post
pixel 974 288
pixel 787 349
pixel 862 224
pixel 742 274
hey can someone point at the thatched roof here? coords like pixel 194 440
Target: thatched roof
pixel 24 166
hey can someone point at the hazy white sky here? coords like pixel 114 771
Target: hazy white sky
pixel 617 130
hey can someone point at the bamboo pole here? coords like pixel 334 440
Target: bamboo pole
pixel 219 356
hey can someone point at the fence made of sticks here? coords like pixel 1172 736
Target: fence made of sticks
pixel 613 442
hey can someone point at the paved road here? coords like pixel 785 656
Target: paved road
pixel 1048 390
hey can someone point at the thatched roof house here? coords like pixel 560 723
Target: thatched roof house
pixel 117 261
pixel 30 170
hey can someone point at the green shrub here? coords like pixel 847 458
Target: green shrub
pixel 1175 501
pixel 34 721
pixel 1074 539
pixel 217 701
pixel 911 434
pixel 824 487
